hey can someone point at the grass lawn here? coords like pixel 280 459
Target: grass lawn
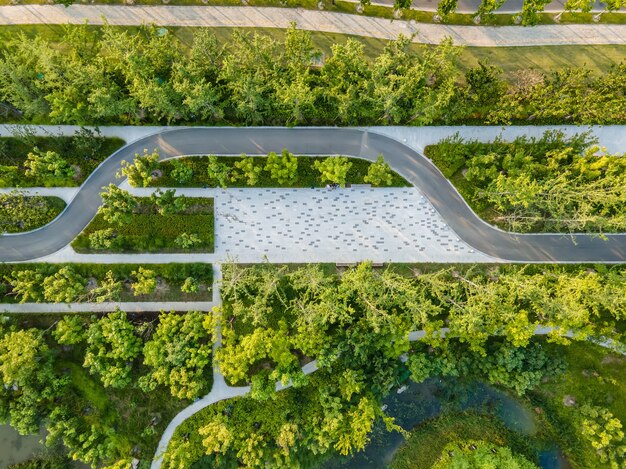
pixel 510 59
pixel 14 151
pixel 42 212
pixel 594 376
pixel 171 276
pixel 425 444
pixel 308 175
pixel 151 232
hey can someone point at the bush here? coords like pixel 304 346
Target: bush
pixel 283 169
pixel 24 213
pixel 334 169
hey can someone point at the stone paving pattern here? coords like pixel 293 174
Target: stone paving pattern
pixel 339 225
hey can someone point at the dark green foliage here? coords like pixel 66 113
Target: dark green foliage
pixel 82 151
pixel 173 276
pixel 23 213
pixel 44 462
pixel 519 369
pixel 307 175
pixel 150 231
pixel 112 76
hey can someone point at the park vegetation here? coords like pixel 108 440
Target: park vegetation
pixel 274 170
pixel 162 222
pixel 356 325
pixel 19 212
pixel 27 160
pixel 113 76
pixel 75 283
pixel 552 183
pixel 103 386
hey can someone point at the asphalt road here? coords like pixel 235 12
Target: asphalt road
pixel 317 141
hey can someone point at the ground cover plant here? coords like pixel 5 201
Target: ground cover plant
pixel 253 171
pixel 19 212
pixel 586 405
pixel 58 283
pixel 552 183
pixel 429 442
pixel 51 161
pixel 294 86
pixel 103 385
pixel 161 223
pixel 356 324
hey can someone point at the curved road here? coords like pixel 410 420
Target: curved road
pixel 318 141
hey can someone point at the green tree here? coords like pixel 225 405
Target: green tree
pixel 47 165
pixel 167 203
pixel 486 9
pixel 346 89
pixel 379 173
pixel 195 78
pixel 145 281
pixel 140 172
pixel 179 354
pixel 64 286
pixel 117 205
pixel 249 171
pixel 218 172
pixel 284 168
pixel 112 346
pixel 333 169
pixel 70 330
pixel 27 285
pixel 102 239
pixel 28 383
pixel 604 432
pixel 446 7
pixel 249 70
pixel 530 10
pixel 108 289
pixel 181 172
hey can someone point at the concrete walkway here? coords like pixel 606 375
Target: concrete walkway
pixel 270 17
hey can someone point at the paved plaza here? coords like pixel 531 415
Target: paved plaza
pixel 340 225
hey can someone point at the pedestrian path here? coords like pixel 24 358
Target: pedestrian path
pixel 382 225
pixel 314 20
pixel 221 391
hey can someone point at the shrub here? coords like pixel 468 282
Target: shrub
pixel 190 285
pixel 140 172
pixel 333 169
pixel 283 169
pixel 379 173
pixel 145 282
pixel 102 239
pixel 181 172
pixel 186 241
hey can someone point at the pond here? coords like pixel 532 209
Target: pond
pixel 15 448
pixel 423 401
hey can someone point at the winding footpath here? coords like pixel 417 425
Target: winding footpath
pixel 221 391
pixel 323 21
pixel 362 143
